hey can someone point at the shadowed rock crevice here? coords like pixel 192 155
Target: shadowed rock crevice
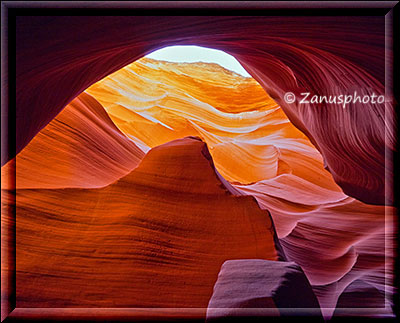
pixel 263 287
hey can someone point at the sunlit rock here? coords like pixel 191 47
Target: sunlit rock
pixel 155 238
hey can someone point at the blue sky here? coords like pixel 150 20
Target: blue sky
pixel 191 54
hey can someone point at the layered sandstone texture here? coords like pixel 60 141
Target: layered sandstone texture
pixel 114 207
pixel 238 142
pixel 333 237
pixel 323 55
pixel 157 237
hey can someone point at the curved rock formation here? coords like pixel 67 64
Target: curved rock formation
pixel 292 54
pixel 154 102
pixel 334 238
pixel 155 238
pixel 361 295
pixel 169 224
pixel 81 147
pixel 249 136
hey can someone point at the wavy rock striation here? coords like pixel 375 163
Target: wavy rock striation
pixel 81 147
pixel 249 136
pixel 78 212
pixel 155 238
pixel 334 238
pixel 293 54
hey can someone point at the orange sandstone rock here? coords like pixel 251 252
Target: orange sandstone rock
pixel 81 147
pixel 155 238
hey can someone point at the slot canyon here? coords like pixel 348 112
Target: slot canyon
pixel 142 183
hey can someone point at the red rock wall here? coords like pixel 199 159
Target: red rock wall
pixel 336 239
pixel 333 237
pixel 155 238
pixel 56 62
pixel 81 147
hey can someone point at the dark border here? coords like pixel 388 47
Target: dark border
pixel 11 9
pixel 396 161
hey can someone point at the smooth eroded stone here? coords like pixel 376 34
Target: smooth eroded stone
pixel 359 294
pixel 256 287
pixel 154 238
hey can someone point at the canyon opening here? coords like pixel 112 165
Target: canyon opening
pixel 183 179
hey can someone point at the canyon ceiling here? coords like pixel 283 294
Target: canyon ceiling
pixel 193 165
